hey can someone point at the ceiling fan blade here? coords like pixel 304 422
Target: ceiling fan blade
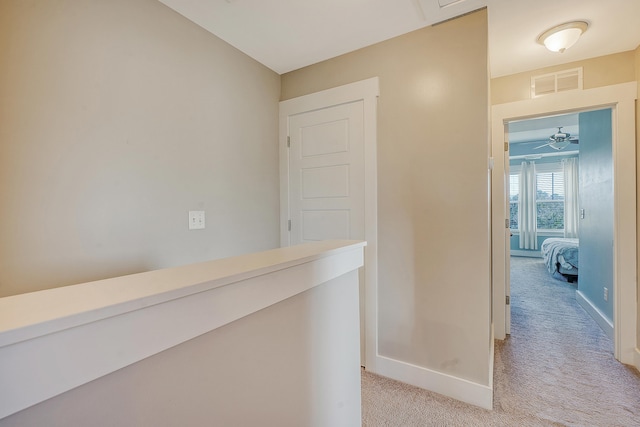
pixel 574 141
pixel 543 145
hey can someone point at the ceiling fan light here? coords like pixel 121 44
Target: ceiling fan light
pixel 559 145
pixel 562 37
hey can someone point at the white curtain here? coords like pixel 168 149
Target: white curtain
pixel 570 169
pixel 527 208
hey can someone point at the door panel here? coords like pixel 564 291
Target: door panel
pixel 507 238
pixel 326 173
pixel 327 180
pixel 325 138
pixel 324 225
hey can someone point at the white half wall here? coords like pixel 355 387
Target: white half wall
pixel 264 339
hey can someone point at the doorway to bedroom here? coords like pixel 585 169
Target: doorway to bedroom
pixel 561 212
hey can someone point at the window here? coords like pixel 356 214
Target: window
pixel 549 197
pixel 550 201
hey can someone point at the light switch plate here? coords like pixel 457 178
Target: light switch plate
pixel 196 220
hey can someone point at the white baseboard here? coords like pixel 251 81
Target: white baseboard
pixel 492 361
pixel 637 359
pixel 605 324
pixel 530 254
pixel 447 385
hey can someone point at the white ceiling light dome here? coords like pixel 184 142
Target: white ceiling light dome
pixel 562 37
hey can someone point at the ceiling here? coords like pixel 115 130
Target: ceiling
pixel 530 134
pixel 285 35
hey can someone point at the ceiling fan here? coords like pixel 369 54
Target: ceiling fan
pixel 559 140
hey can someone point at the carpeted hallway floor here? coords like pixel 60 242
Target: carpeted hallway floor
pixel 556 369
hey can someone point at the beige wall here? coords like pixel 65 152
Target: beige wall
pixel 433 239
pixel 597 72
pixel 637 65
pixel 116 119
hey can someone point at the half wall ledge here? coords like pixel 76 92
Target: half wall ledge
pixel 55 340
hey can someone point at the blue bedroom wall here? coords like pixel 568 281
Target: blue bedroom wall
pixel 596 198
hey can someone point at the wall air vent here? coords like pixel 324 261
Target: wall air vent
pixel 562 81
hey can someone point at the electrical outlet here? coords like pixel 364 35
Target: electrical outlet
pixel 196 220
pixel 606 294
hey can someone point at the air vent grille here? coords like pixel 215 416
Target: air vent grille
pixel 561 81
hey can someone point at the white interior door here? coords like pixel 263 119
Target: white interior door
pixel 328 184
pixel 507 239
pixel 326 174
pixel 326 180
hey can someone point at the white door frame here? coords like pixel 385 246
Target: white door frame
pixel 368 92
pixel 621 98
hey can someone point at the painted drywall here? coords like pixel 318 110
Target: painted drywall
pixel 116 119
pixel 637 67
pixel 596 198
pixel 597 72
pixel 246 373
pixel 433 300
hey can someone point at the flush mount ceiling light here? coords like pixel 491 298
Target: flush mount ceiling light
pixel 562 37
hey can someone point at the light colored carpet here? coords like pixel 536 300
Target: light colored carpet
pixel 556 369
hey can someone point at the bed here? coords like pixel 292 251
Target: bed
pixel 561 257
